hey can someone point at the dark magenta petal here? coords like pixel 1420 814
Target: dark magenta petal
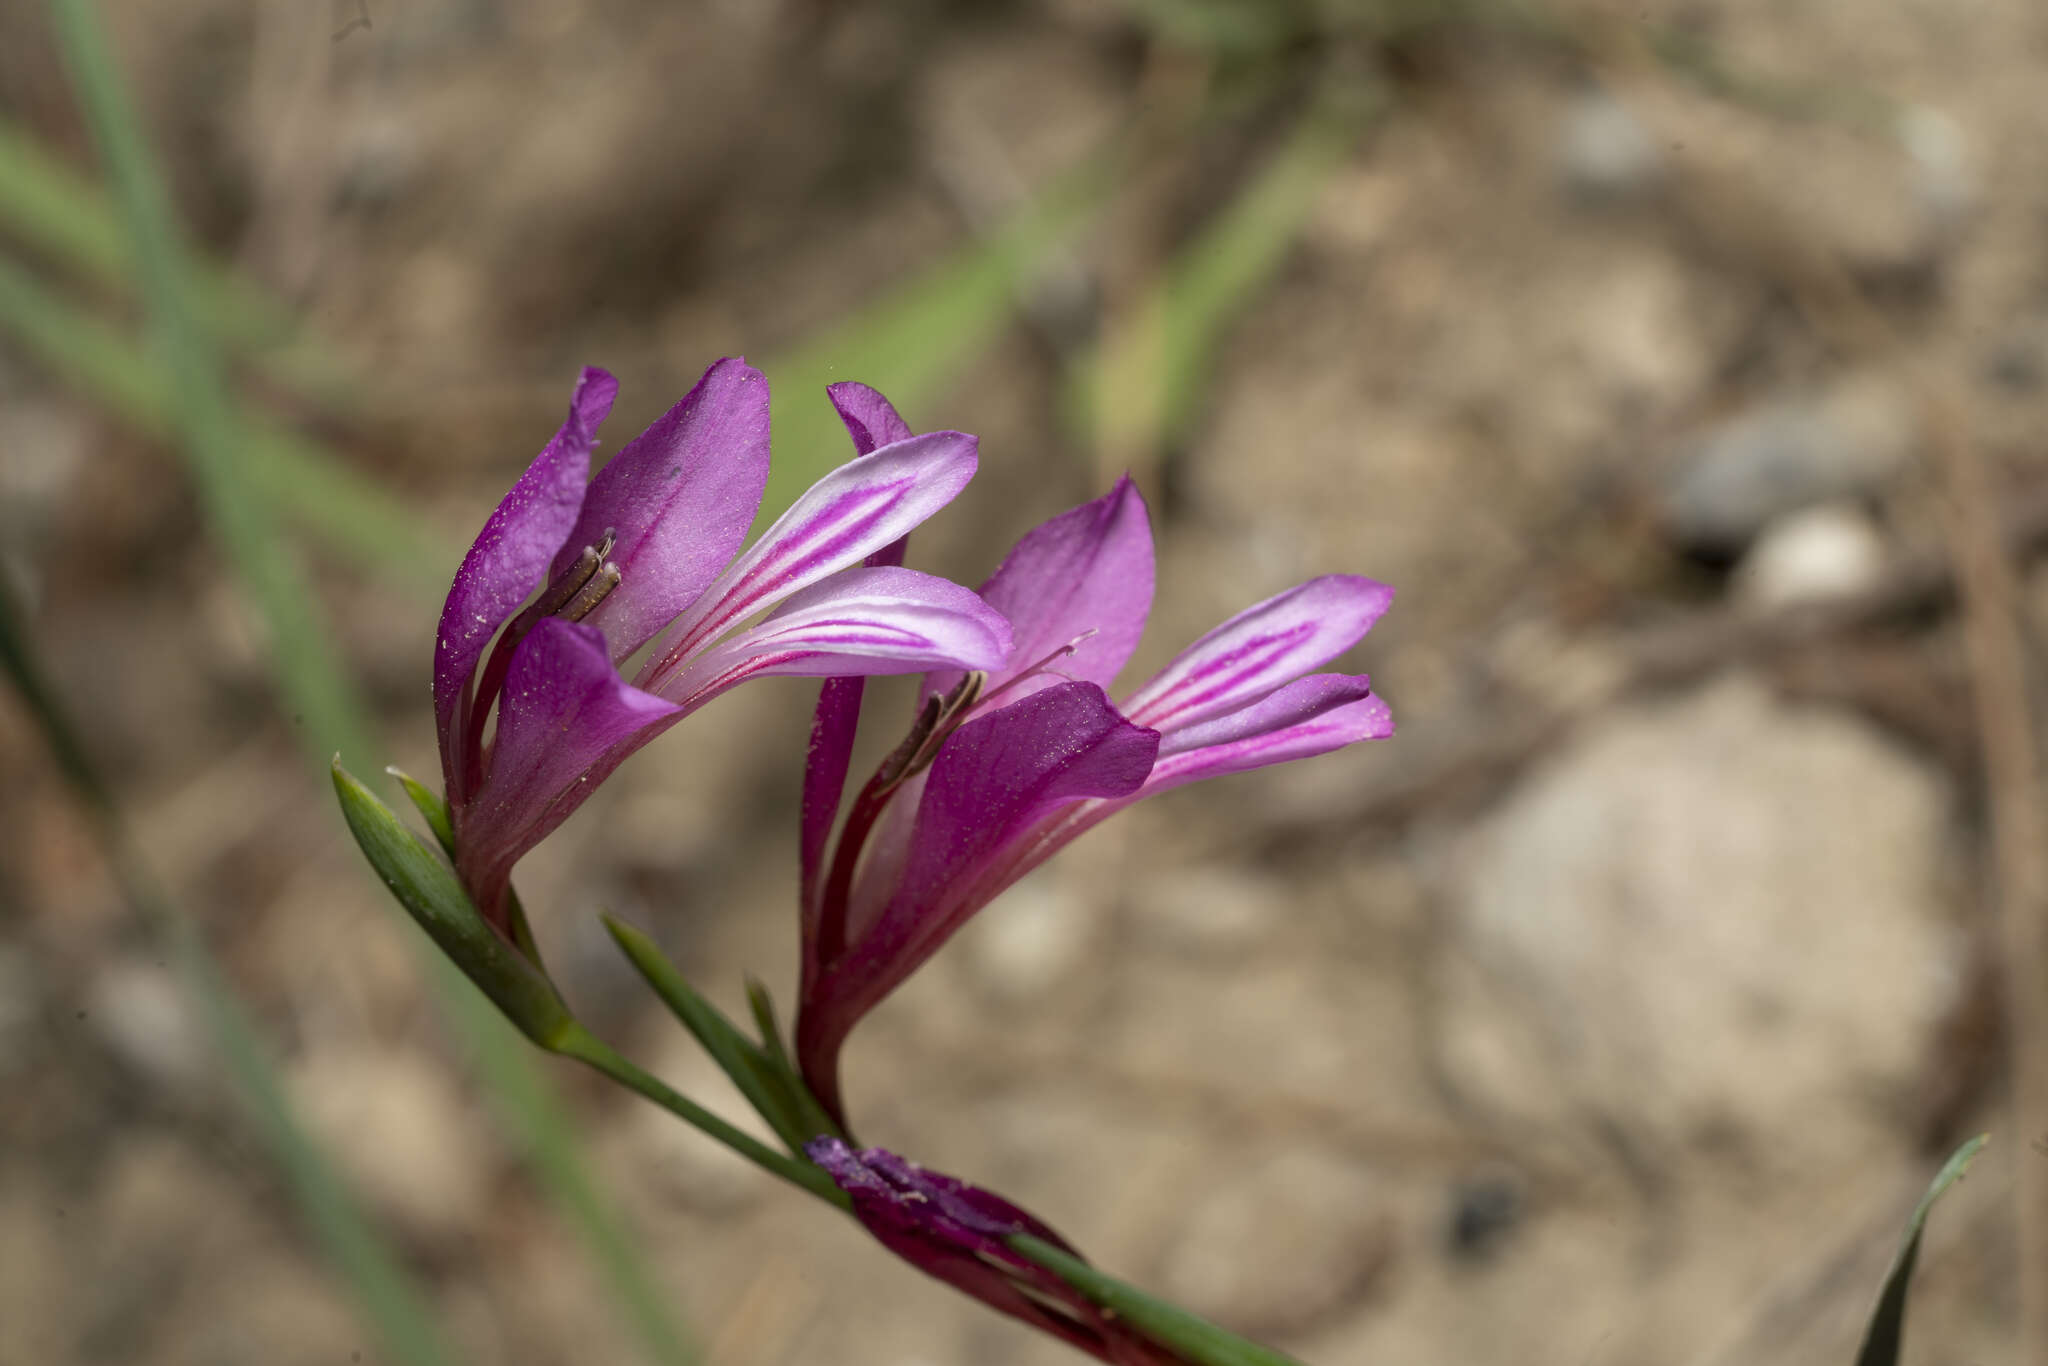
pixel 565 720
pixel 1314 730
pixel 955 1232
pixel 859 621
pixel 826 763
pixel 871 420
pixel 976 831
pixel 1259 650
pixel 509 562
pixel 679 498
pixel 863 506
pixel 1085 575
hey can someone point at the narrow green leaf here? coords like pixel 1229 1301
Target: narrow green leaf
pixel 1143 386
pixel 776 1095
pixel 1194 1338
pixel 305 481
pixel 394 1306
pixel 916 338
pixel 516 1088
pixel 1887 1331
pixel 52 208
pixel 428 890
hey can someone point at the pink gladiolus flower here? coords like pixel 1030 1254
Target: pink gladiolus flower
pixel 1003 768
pixel 646 552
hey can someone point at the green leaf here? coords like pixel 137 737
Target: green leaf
pixel 1195 1338
pixel 777 1094
pixel 394 1305
pixel 1143 386
pixel 1887 1331
pixel 52 208
pixel 919 336
pixel 305 481
pixel 427 888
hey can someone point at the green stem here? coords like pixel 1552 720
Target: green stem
pixel 580 1044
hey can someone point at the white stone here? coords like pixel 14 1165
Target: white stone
pixel 1717 915
pixel 1816 555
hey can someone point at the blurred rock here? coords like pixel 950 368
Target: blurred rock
pixel 1716 917
pixel 1201 911
pixel 1604 152
pixel 1033 940
pixel 1783 454
pixel 1943 178
pixel 1279 1242
pixel 402 1132
pixel 20 1003
pixel 141 1014
pixel 1814 555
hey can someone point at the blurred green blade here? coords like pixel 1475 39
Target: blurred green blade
pixel 221 458
pixel 394 1306
pixel 323 495
pixel 53 209
pixel 1143 385
pixel 914 340
pixel 1887 1331
pixel 1194 1338
pixel 202 413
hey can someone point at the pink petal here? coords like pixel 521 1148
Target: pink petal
pixel 1085 575
pixel 509 562
pixel 1318 732
pixel 679 498
pixel 859 508
pixel 995 779
pixel 859 621
pixel 871 420
pixel 1260 649
pixel 565 721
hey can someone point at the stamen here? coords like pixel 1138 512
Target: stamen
pixel 595 591
pixel 559 593
pixel 1042 666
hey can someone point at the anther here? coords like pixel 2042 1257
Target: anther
pixel 594 591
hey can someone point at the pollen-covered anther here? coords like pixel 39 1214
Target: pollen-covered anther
pixel 593 592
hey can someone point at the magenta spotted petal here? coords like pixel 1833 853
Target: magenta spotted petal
pixel 508 563
pixel 1080 583
pixel 958 1233
pixel 679 499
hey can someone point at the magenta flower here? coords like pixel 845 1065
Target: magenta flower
pixel 959 1234
pixel 1002 769
pixel 646 552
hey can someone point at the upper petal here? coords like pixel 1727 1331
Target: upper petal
pixel 1314 721
pixel 859 508
pixel 1084 576
pixel 871 420
pixel 859 621
pixel 679 499
pixel 565 720
pixel 510 557
pixel 1260 649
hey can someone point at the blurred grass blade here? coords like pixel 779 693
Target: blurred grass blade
pixel 394 1306
pixel 306 482
pixel 1887 1331
pixel 524 1101
pixel 1195 1339
pixel 1142 387
pixel 56 211
pixel 216 444
pixel 918 337
pixel 202 413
